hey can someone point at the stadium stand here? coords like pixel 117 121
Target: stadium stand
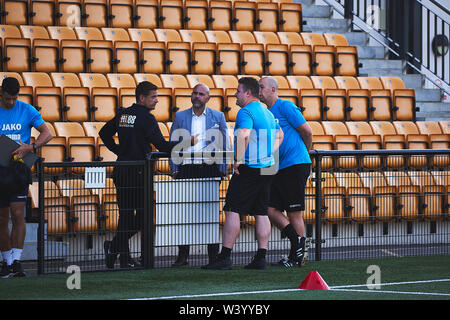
pixel 78 77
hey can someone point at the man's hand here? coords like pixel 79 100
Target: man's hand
pixel 194 140
pixel 22 151
pixel 236 166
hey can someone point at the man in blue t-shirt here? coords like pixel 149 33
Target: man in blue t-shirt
pixel 16 120
pixel 287 192
pixel 257 137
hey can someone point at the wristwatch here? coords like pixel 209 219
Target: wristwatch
pixel 34 147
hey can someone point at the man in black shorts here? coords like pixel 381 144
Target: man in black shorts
pixel 288 187
pixel 257 136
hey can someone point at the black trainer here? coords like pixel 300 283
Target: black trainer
pixel 127 262
pixel 302 252
pixel 286 263
pixel 219 264
pixel 6 271
pixel 17 269
pixel 257 263
pixel 110 257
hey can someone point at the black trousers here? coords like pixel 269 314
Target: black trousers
pixel 190 171
pixel 129 182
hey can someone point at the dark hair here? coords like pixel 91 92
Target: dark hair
pixel 10 86
pixel 144 88
pixel 251 84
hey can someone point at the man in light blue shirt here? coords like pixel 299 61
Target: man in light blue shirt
pixel 16 120
pixel 287 192
pixel 257 137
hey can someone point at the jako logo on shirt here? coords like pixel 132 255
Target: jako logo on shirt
pixel 127 120
pixel 11 126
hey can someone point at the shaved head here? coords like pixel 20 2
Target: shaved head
pixel 269 82
pixel 268 90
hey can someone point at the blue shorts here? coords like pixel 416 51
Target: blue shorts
pixel 19 197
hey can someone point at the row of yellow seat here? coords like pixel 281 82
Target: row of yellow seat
pixel 171 14
pixel 79 142
pixel 346 196
pixel 106 50
pixel 381 196
pixel 378 135
pixel 69 207
pixel 97 96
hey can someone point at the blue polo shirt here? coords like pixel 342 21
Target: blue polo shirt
pixel 292 150
pixel 16 123
pixel 261 122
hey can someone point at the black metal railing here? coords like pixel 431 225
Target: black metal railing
pixel 406 23
pixel 393 208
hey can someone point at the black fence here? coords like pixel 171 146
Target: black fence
pixel 359 204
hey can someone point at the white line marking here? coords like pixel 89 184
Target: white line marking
pixel 390 253
pixel 335 288
pixel 396 292
pixel 391 283
pixel 216 294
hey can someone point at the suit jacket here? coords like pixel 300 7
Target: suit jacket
pixel 214 120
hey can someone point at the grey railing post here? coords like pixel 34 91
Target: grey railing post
pixel 318 229
pixel 41 226
pixel 148 248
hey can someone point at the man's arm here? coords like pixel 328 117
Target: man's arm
pixel 175 125
pixel 106 133
pixel 242 141
pixel 278 139
pixel 306 134
pixel 44 136
pixel 224 130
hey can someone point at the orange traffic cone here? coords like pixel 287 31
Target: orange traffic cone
pixel 313 281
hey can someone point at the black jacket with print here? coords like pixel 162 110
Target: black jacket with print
pixel 136 129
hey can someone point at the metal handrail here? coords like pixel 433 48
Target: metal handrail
pixel 345 8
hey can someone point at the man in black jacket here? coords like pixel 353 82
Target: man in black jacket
pixel 136 128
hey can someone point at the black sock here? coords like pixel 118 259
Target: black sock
pixel 291 234
pixel 225 253
pixel 261 253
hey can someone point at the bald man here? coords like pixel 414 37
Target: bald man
pixel 210 127
pixel 288 187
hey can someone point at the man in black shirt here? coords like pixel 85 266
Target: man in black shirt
pixel 136 128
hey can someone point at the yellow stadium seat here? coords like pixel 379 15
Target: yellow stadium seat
pixel 95 13
pixel 220 15
pixel 147 14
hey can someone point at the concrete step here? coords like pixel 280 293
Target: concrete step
pixel 431 107
pixel 326 25
pixel 379 67
pixel 414 81
pixel 304 2
pixel 432 116
pixel 433 111
pixel 428 95
pixel 355 38
pixel 316 11
pixel 366 52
